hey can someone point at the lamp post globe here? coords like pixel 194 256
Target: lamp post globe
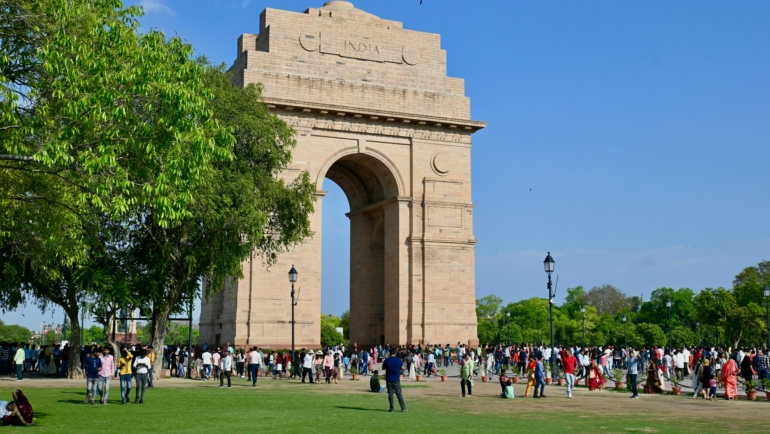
pixel 293 275
pixel 549 265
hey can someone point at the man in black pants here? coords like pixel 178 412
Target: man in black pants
pixel 307 366
pixel 392 366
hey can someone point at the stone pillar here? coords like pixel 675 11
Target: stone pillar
pixel 396 271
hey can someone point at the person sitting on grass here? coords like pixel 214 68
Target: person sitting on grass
pixel 374 383
pixel 19 411
pixel 506 382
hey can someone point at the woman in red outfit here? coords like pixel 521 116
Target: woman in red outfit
pixel 21 411
pixel 595 379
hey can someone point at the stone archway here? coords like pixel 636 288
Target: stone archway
pixel 375 113
pixel 371 188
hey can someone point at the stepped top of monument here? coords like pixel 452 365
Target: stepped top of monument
pixel 345 10
pixel 338 56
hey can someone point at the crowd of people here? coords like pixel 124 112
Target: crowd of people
pixel 708 368
pixel 23 358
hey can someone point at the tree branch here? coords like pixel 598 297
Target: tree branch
pixel 11 157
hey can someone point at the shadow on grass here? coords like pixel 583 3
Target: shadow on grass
pixel 358 408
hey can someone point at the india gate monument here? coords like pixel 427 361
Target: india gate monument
pixel 375 113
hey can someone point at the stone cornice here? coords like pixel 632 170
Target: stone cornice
pixel 380 204
pixel 425 240
pixel 416 121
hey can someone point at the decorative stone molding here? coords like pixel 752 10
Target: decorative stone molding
pixel 376 127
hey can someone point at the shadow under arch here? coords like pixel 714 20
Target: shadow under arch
pixel 371 182
pixel 366 177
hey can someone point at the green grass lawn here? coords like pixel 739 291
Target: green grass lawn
pixel 293 407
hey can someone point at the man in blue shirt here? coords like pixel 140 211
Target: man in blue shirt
pixel 392 367
pixel 633 372
pixel 92 366
pixel 539 377
pixel 365 363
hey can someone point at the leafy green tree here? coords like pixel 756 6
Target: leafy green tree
pixel 488 331
pixel 345 324
pixel 634 303
pixel 20 282
pixel 575 299
pixel 749 284
pixel 95 117
pixel 14 333
pixel 93 334
pixel 684 337
pixel 244 207
pixel 683 310
pixel 329 335
pixel 488 306
pixel 143 332
pixel 179 334
pixel 651 335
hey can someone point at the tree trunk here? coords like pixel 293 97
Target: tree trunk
pixel 75 372
pixel 159 320
pixel 105 323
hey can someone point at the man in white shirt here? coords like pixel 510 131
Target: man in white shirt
pixel 206 359
pixel 686 354
pixel 215 362
pixel 227 370
pixel 585 362
pixel 255 359
pixel 307 366
pixel 431 363
pixel 679 361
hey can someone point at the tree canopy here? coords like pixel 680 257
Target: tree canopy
pixel 131 173
pixel 712 316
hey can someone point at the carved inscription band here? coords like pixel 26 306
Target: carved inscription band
pixel 385 130
pixel 359 48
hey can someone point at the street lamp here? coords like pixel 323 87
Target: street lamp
pixel 625 345
pixel 293 279
pixel 716 334
pixel 767 313
pixel 668 306
pixel 583 309
pixel 508 320
pixel 548 263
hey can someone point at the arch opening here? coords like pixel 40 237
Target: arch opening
pixel 368 183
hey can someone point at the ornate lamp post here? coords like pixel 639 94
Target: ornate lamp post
pixel 767 313
pixel 508 321
pixel 668 306
pixel 293 279
pixel 625 345
pixel 549 263
pixel 583 310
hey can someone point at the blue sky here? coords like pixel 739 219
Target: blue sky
pixel 642 129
